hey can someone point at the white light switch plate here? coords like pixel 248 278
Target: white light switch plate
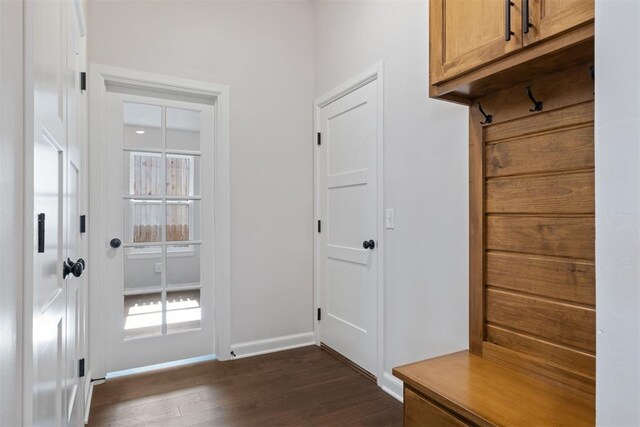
pixel 389 220
pixel 158 267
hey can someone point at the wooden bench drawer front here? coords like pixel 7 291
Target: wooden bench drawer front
pixel 419 412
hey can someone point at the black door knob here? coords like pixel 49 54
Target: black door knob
pixel 369 244
pixel 75 268
pixel 115 243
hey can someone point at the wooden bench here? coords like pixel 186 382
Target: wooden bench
pixel 461 389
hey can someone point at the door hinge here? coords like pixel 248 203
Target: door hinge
pixel 83 223
pixel 81 367
pixel 319 226
pixel 319 314
pixel 319 138
pixel 83 81
pixel 41 233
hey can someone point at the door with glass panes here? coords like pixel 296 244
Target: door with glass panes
pixel 160 229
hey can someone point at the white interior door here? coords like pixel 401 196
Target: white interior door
pixel 348 238
pixel 57 288
pixel 76 247
pixel 159 251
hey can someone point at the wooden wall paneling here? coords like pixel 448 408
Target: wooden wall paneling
pixel 566 89
pixel 580 362
pixel 557 236
pixel 561 150
pixel 476 231
pixel 570 193
pixel 563 279
pixel 562 323
pixel 540 369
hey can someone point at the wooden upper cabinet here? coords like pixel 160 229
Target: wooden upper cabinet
pixel 466 34
pixel 472 53
pixel 552 17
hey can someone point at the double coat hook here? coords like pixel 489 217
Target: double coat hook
pixel 537 105
pixel 488 118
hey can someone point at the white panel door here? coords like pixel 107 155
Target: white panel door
pixel 57 177
pixel 348 201
pixel 75 246
pixel 159 250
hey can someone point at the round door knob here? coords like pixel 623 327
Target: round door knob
pixel 75 268
pixel 115 243
pixel 369 244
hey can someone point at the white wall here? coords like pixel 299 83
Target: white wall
pixel 264 51
pixel 11 221
pixel 618 212
pixel 426 172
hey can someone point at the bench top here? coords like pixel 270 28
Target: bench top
pixel 489 394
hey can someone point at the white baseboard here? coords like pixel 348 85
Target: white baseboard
pixel 391 385
pixel 271 345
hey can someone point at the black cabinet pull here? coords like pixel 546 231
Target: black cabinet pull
pixel 525 16
pixel 369 244
pixel 507 20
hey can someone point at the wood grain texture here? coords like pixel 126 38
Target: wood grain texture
pixel 561 323
pixel 580 362
pixel 565 149
pixel 488 394
pixel 559 278
pixel 419 412
pixel 565 89
pixel 476 233
pixel 540 369
pixel 570 193
pixel 522 66
pixel 464 46
pixel 551 17
pixel 305 386
pixel 565 237
pixel 580 114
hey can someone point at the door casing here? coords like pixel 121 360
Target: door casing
pixel 375 73
pixel 100 76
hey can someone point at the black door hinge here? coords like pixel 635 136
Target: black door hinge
pixel 83 81
pixel 319 138
pixel 83 223
pixel 41 233
pixel 319 313
pixel 81 368
pixel 319 226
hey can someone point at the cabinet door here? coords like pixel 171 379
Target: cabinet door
pixel 552 17
pixel 466 34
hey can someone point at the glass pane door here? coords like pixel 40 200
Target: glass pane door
pixel 161 216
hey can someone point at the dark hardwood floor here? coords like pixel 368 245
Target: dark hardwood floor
pixel 301 387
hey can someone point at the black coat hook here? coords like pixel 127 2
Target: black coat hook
pixel 488 118
pixel 537 105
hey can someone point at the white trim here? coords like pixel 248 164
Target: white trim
pixel 100 75
pixel 271 345
pixel 88 395
pixel 374 73
pixel 392 385
pixel 158 366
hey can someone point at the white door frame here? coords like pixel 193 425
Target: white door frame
pixel 99 77
pixel 372 74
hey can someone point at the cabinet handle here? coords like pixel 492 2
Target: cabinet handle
pixel 525 16
pixel 507 20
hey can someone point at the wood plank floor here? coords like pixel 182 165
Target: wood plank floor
pixel 301 387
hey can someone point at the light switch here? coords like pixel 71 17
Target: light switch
pixel 158 267
pixel 389 221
